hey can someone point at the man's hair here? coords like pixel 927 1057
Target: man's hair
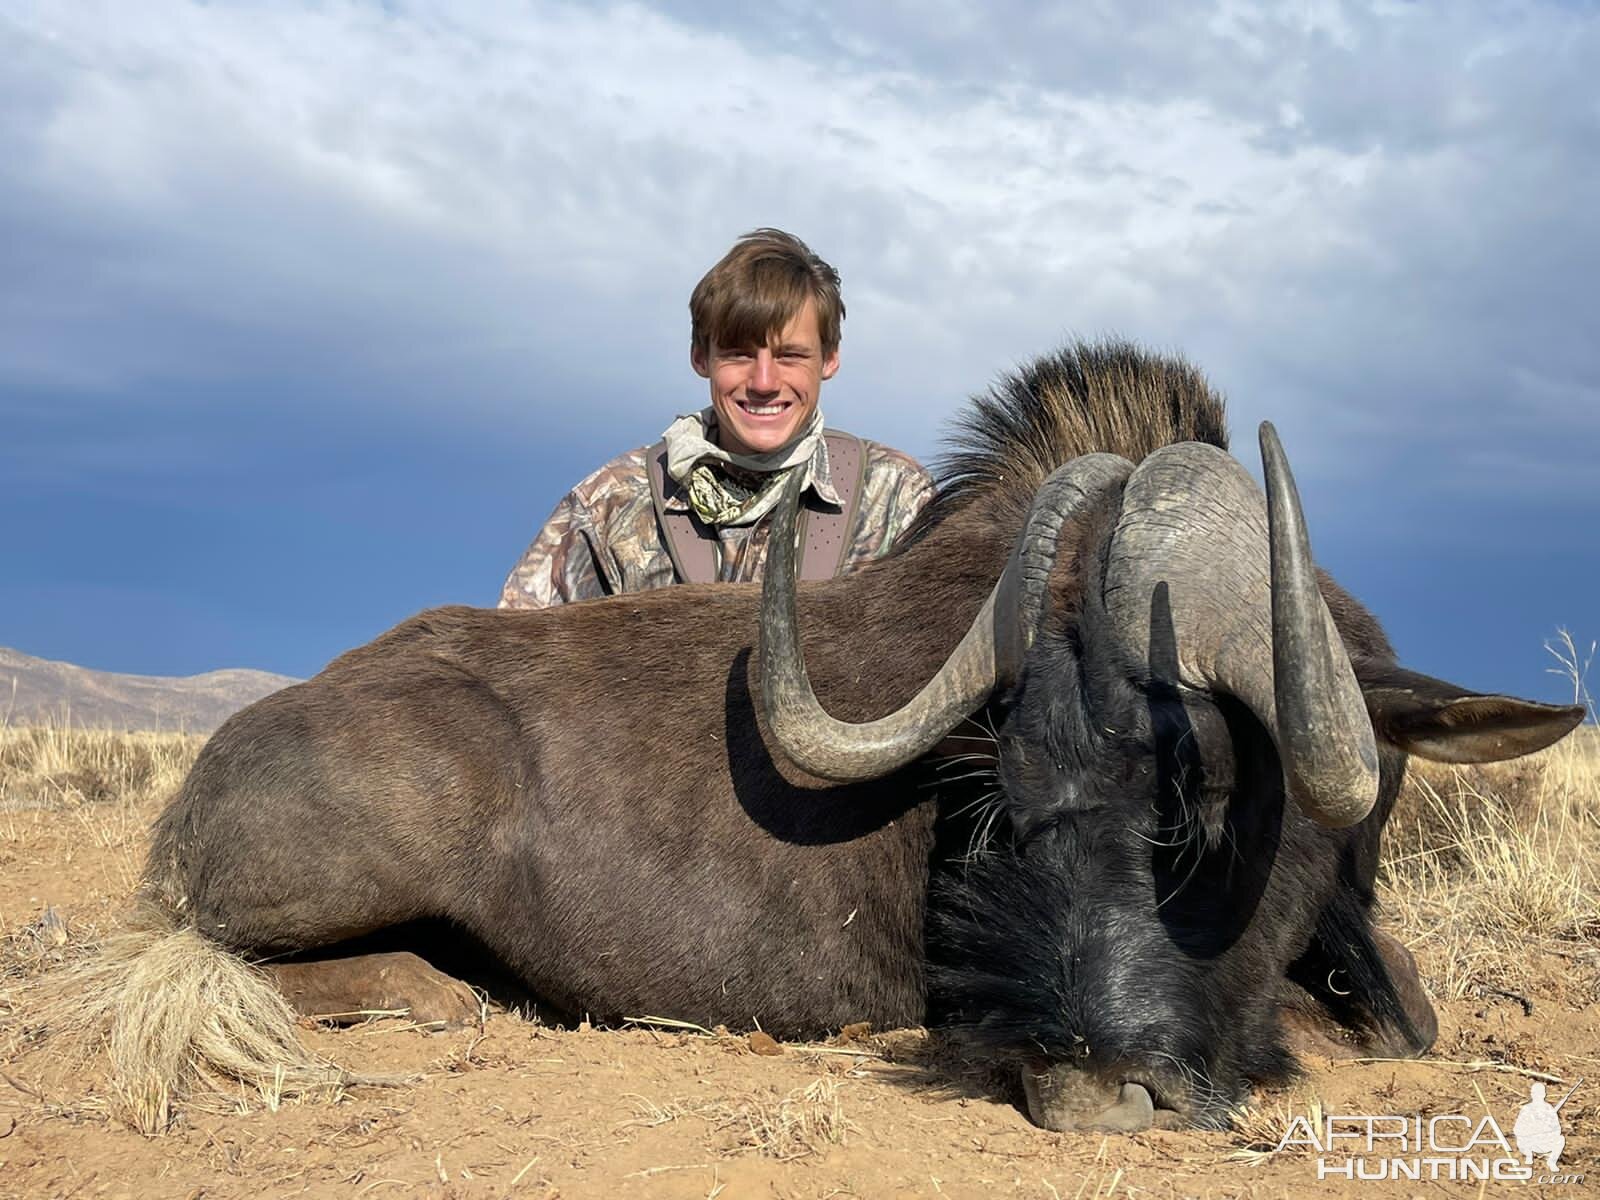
pixel 758 287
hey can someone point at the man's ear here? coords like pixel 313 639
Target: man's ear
pixel 1440 721
pixel 700 361
pixel 830 363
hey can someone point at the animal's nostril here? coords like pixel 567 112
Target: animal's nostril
pixel 1160 1096
pixel 1174 1107
pixel 1133 1111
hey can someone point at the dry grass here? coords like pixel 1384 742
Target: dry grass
pixel 89 789
pixel 1482 861
pixel 804 1121
pixel 51 767
pixel 220 1025
pixel 79 790
pixel 1259 1129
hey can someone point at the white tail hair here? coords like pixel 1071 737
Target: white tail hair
pixel 179 1016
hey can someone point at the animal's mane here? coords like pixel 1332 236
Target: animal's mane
pixel 1088 396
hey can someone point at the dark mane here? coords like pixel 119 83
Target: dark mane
pixel 1088 396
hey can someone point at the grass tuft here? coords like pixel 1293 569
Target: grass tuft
pixel 1259 1129
pixel 53 767
pixel 1482 861
pixel 802 1122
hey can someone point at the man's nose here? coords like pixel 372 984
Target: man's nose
pixel 765 376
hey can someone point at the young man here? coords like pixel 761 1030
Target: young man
pixel 765 334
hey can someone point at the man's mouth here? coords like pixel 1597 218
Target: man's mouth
pixel 763 410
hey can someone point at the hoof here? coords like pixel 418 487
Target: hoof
pixel 345 991
pixel 430 997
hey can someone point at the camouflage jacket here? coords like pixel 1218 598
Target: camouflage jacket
pixel 603 538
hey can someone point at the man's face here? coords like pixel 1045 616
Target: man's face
pixel 765 395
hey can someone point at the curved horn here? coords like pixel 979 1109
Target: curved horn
pixel 1325 739
pixel 1248 617
pixel 989 653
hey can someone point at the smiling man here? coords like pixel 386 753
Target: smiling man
pixel 765 325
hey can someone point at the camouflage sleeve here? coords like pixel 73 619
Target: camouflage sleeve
pixel 894 489
pixel 915 491
pixel 561 565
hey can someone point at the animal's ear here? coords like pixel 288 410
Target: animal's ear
pixel 1434 719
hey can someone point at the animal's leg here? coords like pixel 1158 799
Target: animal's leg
pixel 334 810
pixel 331 810
pixel 347 990
pixel 267 895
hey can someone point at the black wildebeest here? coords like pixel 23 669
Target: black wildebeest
pixel 1192 767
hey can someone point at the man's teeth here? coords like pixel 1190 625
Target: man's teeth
pixel 763 410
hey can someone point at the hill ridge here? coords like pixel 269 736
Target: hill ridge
pixel 41 690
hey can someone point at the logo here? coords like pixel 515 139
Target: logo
pixel 1538 1127
pixel 1443 1147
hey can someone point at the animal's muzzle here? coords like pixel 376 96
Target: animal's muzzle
pixel 1069 1100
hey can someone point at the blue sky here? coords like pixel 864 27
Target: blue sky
pixel 310 313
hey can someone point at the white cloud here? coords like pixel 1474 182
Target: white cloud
pixel 1376 210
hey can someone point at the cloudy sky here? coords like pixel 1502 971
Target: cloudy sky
pixel 310 313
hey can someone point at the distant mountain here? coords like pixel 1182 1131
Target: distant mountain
pixel 35 690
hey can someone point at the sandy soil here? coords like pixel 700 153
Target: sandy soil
pixel 517 1108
